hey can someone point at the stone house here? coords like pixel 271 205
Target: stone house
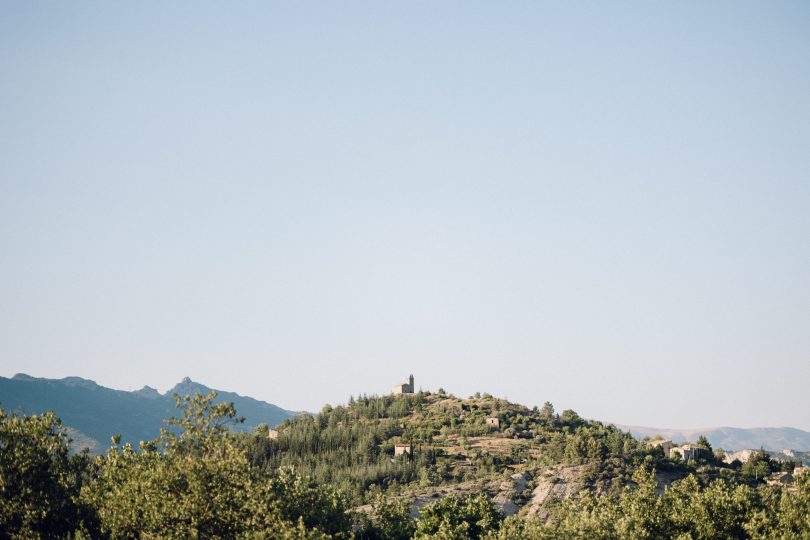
pixel 404 388
pixel 494 421
pixel 402 449
pixel 688 451
pixel 665 445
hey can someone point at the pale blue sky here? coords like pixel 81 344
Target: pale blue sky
pixel 604 205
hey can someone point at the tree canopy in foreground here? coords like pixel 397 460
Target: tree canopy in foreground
pixel 199 479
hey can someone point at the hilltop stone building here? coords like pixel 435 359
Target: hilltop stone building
pixel 406 387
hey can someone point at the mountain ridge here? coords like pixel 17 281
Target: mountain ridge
pixel 731 438
pixel 94 413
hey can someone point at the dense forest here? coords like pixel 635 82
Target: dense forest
pixel 424 465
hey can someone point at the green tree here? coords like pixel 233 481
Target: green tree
pixel 299 499
pixel 391 521
pixel 758 465
pixel 547 412
pixel 189 483
pixel 703 443
pixel 720 510
pixel 196 481
pixel 453 518
pixel 39 481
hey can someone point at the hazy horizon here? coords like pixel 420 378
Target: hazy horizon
pixel 602 206
pixel 622 425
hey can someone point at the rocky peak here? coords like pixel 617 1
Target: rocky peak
pixel 78 381
pixel 187 386
pixel 147 392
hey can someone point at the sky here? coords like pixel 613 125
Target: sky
pixel 602 205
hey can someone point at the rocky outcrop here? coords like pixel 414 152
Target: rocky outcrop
pixel 506 500
pixel 555 483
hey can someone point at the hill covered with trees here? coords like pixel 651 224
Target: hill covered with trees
pixel 424 465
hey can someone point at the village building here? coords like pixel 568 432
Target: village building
pixel 405 388
pixel 688 452
pixel 272 434
pixel 685 452
pixel 401 449
pixel 494 421
pixel 665 445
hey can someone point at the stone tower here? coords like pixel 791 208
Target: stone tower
pixel 405 388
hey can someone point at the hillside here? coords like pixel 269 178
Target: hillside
pixel 94 413
pixel 733 439
pixel 424 446
pixel 523 458
pixel 414 465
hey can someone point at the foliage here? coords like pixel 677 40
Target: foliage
pixel 199 483
pixel 759 466
pixel 297 498
pixel 39 481
pixel 391 521
pixel 187 485
pixel 452 518
pixel 718 510
pixel 199 479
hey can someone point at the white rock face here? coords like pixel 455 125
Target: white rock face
pixel 742 455
pixel 509 490
pixel 559 482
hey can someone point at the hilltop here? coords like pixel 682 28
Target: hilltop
pixel 404 465
pixel 424 446
pixel 94 413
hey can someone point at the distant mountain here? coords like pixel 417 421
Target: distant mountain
pixel 730 438
pixel 94 413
